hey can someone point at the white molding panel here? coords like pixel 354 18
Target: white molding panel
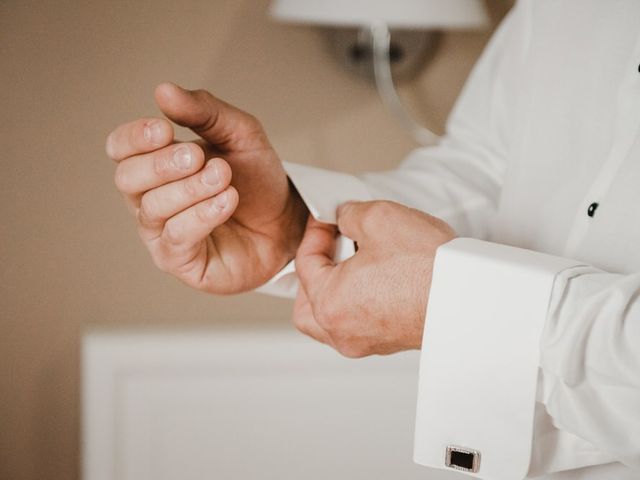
pixel 204 404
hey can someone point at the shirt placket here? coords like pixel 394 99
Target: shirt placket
pixel 627 126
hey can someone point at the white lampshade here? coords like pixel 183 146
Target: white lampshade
pixel 412 14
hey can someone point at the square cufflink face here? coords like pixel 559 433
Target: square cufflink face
pixel 464 459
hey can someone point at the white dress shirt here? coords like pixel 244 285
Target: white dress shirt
pixel 531 351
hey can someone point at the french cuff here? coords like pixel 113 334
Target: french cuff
pixel 480 356
pixel 322 191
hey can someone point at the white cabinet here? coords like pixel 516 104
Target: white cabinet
pixel 204 404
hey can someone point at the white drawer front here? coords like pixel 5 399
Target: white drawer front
pixel 244 405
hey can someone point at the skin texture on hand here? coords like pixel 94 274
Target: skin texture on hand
pixel 375 302
pixel 218 213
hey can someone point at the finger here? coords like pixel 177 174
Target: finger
pixel 305 322
pixel 141 173
pixel 363 222
pixel 314 260
pixel 214 120
pixel 191 226
pixel 159 204
pixel 140 136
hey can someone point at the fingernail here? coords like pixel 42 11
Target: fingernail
pixel 182 157
pixel 221 200
pixel 211 174
pixel 153 133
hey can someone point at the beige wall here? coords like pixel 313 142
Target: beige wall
pixel 70 257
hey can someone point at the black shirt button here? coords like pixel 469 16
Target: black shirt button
pixel 591 211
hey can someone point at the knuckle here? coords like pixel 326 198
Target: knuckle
pixel 299 324
pixel 328 315
pixel 162 164
pixel 121 179
pixel 162 265
pixel 253 121
pixel 191 187
pixel 147 213
pixel 164 268
pixel 382 208
pixel 160 260
pixel 172 233
pixel 204 211
pixel 375 214
pixel 250 131
pixel 379 210
pixel 352 349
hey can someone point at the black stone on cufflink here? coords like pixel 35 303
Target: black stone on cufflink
pixel 463 459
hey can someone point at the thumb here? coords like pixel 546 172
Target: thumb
pixel 314 260
pixel 360 221
pixel 215 121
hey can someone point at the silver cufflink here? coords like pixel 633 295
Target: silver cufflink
pixel 464 459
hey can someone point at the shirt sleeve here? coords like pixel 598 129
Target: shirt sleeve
pixel 322 191
pixel 529 361
pixel 459 179
pixel 590 361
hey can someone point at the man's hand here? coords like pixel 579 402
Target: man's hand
pixel 217 213
pixel 375 302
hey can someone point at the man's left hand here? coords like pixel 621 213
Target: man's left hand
pixel 375 302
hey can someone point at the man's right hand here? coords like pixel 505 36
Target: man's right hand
pixel 218 213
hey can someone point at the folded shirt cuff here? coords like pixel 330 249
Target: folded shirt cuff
pixel 480 356
pixel 322 192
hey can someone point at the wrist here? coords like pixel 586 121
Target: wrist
pixel 297 215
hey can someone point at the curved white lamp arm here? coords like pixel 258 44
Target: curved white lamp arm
pixel 381 41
